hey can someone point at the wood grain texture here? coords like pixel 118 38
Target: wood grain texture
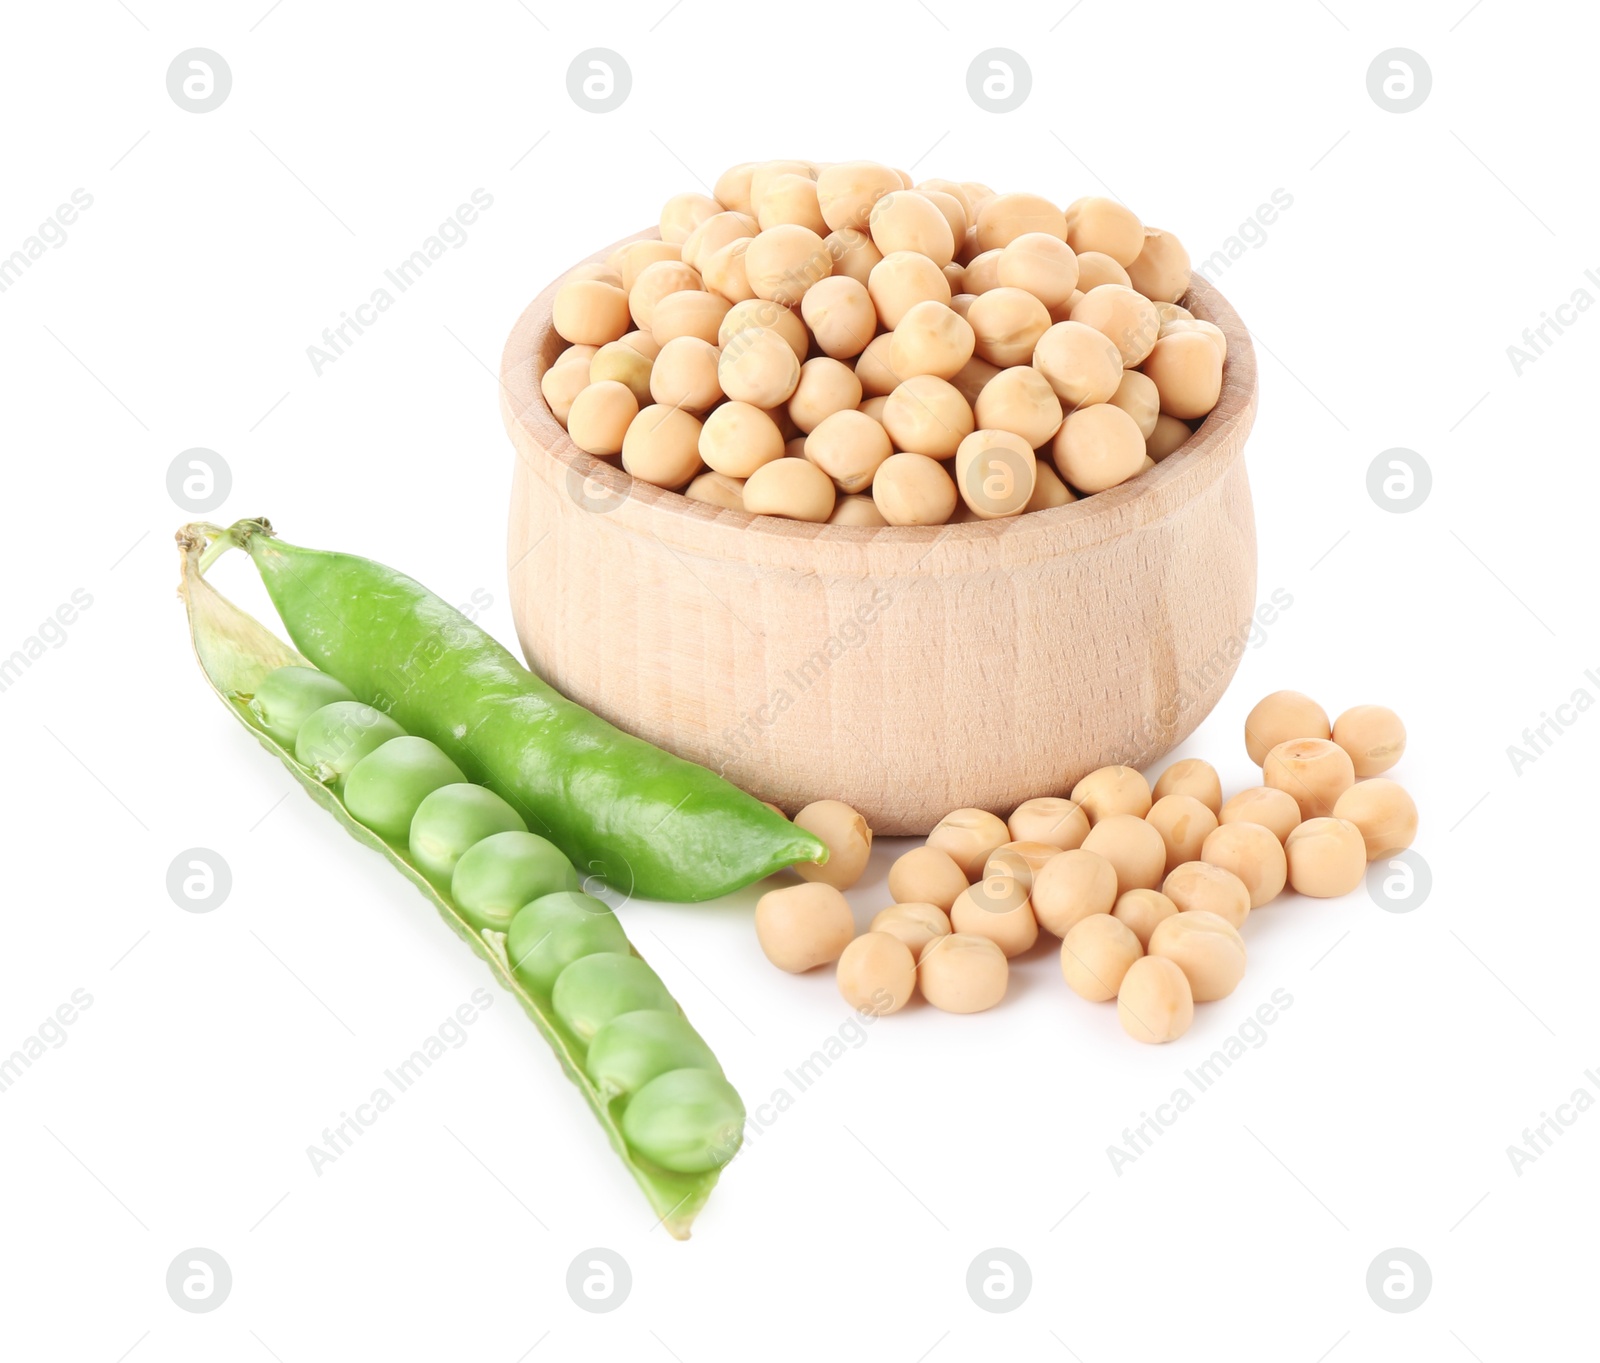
pixel 907 671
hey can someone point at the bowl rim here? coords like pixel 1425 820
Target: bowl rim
pixel 705 530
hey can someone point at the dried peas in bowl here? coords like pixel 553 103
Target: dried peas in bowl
pixel 938 351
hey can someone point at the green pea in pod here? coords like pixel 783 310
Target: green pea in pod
pixel 594 989
pixel 385 788
pixel 497 876
pixel 450 820
pixel 551 933
pixel 686 1120
pixel 288 696
pixel 336 737
pixel 634 1048
pixel 405 800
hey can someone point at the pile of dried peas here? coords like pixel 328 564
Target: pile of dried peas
pixel 833 343
pixel 1148 887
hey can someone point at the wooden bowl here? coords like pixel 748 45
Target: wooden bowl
pixel 907 671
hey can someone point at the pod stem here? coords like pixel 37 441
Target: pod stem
pixel 218 541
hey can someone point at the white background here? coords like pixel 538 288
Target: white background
pixel 218 1046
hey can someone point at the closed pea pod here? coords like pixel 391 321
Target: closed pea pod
pixel 600 795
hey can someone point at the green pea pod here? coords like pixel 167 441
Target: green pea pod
pixel 237 653
pixel 644 821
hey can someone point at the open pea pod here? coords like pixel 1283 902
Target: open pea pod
pixel 236 652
